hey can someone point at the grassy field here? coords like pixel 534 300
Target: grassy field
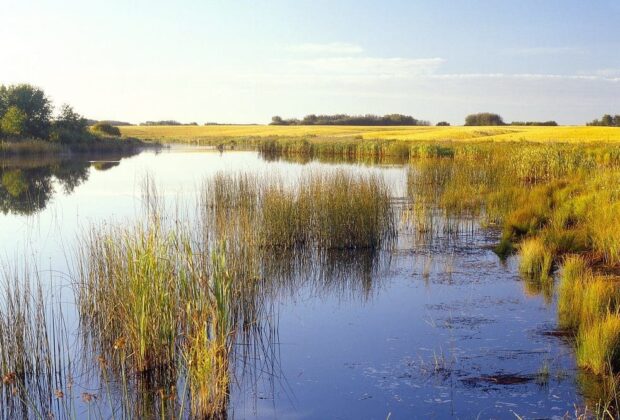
pixel 503 133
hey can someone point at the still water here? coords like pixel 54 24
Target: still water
pixel 430 329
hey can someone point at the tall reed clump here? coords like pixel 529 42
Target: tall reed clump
pixel 328 211
pixel 151 300
pixel 207 344
pixel 589 304
pixel 598 347
pixel 35 363
pixel 320 211
pixel 536 260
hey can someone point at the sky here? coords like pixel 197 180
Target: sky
pixel 244 61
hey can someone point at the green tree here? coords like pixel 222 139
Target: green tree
pixel 607 120
pixel 69 126
pixel 3 98
pixel 13 122
pixel 35 105
pixel 277 120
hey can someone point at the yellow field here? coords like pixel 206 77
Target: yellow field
pixel 505 133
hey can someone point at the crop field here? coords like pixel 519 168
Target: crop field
pixel 193 134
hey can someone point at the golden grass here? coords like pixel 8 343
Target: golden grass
pixel 504 133
pixel 536 259
pixel 598 347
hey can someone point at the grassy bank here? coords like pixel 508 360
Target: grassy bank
pixel 558 207
pixel 245 133
pixel 94 144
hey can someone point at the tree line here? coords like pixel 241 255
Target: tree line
pixel 344 119
pixel 165 122
pixel 26 112
pixel 606 121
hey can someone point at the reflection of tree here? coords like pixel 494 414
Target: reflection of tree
pixel 27 186
pixel 71 174
pixel 25 191
pixel 105 165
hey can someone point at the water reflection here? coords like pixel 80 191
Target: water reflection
pixel 426 326
pixel 28 185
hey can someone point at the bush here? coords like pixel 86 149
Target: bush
pixel 107 129
pixel 484 118
pixel 443 124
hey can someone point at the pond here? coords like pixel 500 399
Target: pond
pixel 428 327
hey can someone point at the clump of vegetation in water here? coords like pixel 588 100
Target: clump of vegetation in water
pixel 536 260
pixel 328 211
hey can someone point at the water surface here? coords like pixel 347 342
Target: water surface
pixel 432 328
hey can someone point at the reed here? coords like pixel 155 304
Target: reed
pixel 35 361
pixel 328 211
pixel 536 260
pixel 598 347
pixel 151 302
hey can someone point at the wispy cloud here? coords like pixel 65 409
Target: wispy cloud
pixel 332 48
pixel 529 76
pixel 541 51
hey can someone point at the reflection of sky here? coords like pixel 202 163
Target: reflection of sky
pixel 115 194
pixel 350 354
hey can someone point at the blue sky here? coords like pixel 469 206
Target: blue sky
pixel 244 61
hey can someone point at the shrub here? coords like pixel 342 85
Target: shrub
pixel 107 129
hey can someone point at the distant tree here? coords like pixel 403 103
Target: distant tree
pixel 277 120
pixel 344 119
pixel 443 124
pixel 309 120
pixel 535 123
pixel 105 128
pixel 484 118
pixel 13 122
pixel 607 121
pixel 33 102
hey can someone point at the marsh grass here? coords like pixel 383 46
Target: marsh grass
pixel 536 260
pixel 328 211
pixel 35 361
pixel 152 303
pixel 163 300
pixel 598 347
pixel 557 204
